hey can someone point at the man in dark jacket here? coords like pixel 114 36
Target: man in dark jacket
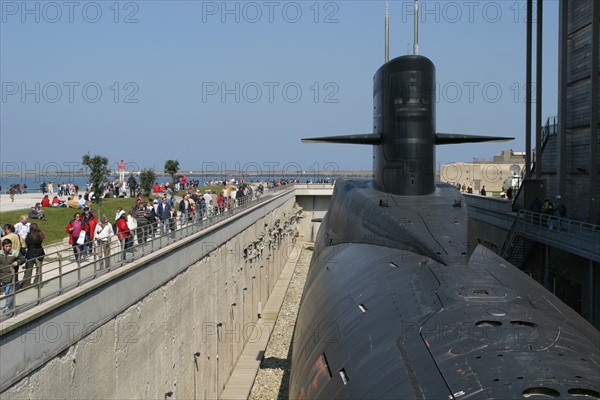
pixel 143 222
pixel 132 183
pixel 184 209
pixel 10 259
pixel 164 214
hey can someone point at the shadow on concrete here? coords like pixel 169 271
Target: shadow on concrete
pixel 284 364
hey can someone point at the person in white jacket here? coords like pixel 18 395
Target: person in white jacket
pixel 104 233
pixel 132 222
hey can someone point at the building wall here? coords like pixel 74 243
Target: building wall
pixel 576 193
pixel 493 175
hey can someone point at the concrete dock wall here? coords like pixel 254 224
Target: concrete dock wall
pixel 170 326
pixel 315 206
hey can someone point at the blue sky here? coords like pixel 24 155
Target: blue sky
pixel 235 85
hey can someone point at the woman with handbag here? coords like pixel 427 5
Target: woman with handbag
pixel 77 230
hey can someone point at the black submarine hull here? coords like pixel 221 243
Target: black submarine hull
pixel 401 302
pixel 399 305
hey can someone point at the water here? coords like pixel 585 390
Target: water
pixel 33 182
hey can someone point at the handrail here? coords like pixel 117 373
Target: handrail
pixel 67 269
pixel 566 225
pixel 508 246
pixel 578 235
pixel 549 129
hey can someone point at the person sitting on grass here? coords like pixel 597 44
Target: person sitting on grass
pixel 46 201
pixel 56 202
pixel 73 203
pixel 82 201
pixel 36 212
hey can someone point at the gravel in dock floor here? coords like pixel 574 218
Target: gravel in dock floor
pixel 273 378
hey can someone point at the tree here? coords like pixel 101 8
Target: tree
pixel 171 168
pixel 147 179
pixel 98 167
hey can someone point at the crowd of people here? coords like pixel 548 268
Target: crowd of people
pixel 161 214
pixel 62 188
pixel 548 210
pixel 22 245
pixel 150 218
pixel 505 193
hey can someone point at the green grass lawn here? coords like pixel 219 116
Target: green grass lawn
pixel 57 218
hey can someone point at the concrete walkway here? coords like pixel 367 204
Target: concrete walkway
pixel 240 383
pixel 62 273
pixel 22 201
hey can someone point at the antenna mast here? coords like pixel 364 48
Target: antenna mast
pixel 416 45
pixel 387 33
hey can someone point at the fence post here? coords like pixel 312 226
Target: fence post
pixel 60 275
pixel 79 266
pixel 39 286
pixel 14 290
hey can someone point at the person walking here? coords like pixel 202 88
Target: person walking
pixel 132 224
pixel 10 259
pixel 164 215
pixel 124 234
pixel 22 227
pixel 104 233
pixel 77 230
pixel 132 183
pixel 548 211
pixel 143 222
pixel 560 206
pixel 184 208
pixel 35 255
pixel 173 221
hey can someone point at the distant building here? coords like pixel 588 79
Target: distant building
pixel 494 174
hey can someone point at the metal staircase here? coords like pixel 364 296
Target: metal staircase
pixel 548 129
pixel 516 248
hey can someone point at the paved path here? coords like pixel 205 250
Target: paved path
pixel 25 202
pixel 22 201
pixel 51 267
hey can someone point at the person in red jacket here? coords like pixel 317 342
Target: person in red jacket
pixel 90 219
pixel 124 234
pixel 56 202
pixel 46 201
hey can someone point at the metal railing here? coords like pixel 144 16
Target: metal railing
pixel 577 235
pixel 550 128
pixel 508 245
pixel 72 266
pixel 329 185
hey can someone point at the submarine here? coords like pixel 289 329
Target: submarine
pixel 401 302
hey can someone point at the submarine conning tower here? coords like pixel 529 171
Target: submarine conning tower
pixel 404 117
pixel 404 133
